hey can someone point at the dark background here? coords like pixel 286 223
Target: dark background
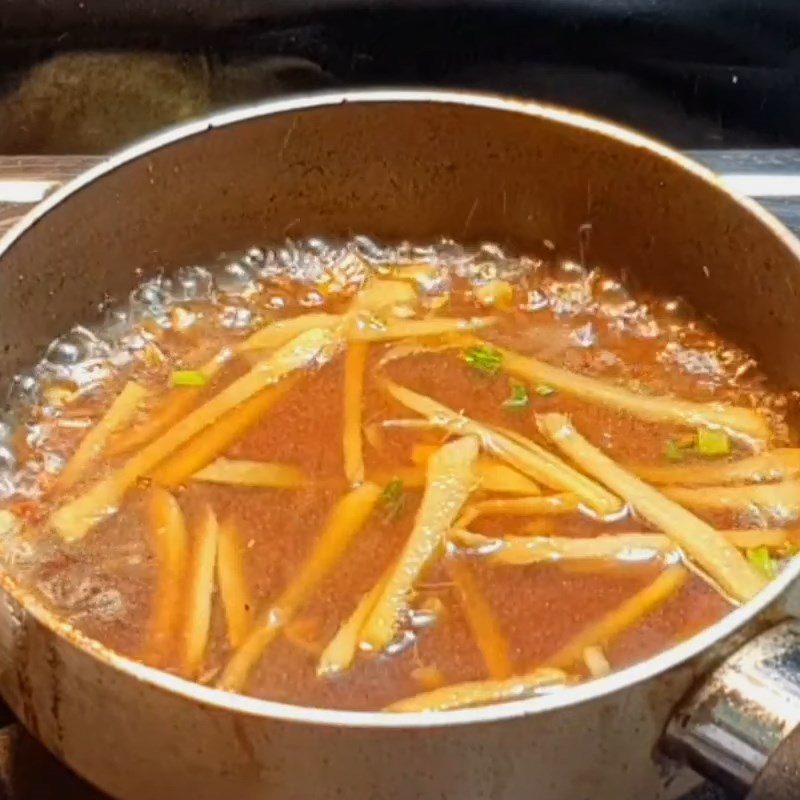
pixel 88 75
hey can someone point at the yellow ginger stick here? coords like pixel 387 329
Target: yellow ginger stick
pixel 201 588
pixel 210 443
pixel 237 600
pixel 347 518
pixel 522 454
pixel 355 364
pixel 340 652
pixel 485 628
pixel 653 409
pixel 479 693
pixel 450 479
pixel 625 616
pixel 774 465
pixel 75 519
pixel 236 472
pixel 709 548
pixel 119 413
pixel 171 546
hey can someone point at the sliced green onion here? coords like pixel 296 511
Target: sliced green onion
pixel 519 397
pixel 484 359
pixel 188 377
pixel 761 559
pixel 673 451
pixel 677 449
pixel 543 390
pixel 713 442
pixel 393 499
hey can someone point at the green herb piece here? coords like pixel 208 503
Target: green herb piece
pixel 188 377
pixel 713 442
pixel 760 558
pixel 484 359
pixel 519 397
pixel 543 390
pixel 673 451
pixel 393 499
pixel 677 449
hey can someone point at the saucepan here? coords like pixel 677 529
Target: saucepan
pixel 411 165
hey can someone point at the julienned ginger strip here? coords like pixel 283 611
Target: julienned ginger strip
pixel 620 619
pixel 345 521
pixel 265 474
pixel 202 449
pixel 780 499
pixel 277 334
pixel 450 479
pixel 706 546
pixel 486 630
pixel 341 650
pixel 464 695
pixel 653 409
pixel 492 477
pixel 522 454
pixel 478 693
pixel 547 505
pixel 179 401
pixel 200 595
pixel 119 413
pixel 174 404
pixel 75 519
pixel 522 550
pixel 170 542
pixel 534 549
pixel 352 439
pixel 774 465
pixel 234 591
pixel 419 328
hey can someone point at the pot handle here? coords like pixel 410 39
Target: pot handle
pixel 739 728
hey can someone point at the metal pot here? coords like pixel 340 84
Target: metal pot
pixel 402 164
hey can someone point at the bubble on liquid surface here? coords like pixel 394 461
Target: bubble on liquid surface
pixel 584 336
pixel 613 299
pixel 84 359
pixel 152 298
pixel 8 460
pixel 236 280
pixel 192 283
pixel 65 351
pixel 236 318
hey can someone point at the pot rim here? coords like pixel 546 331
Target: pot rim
pixel 558 699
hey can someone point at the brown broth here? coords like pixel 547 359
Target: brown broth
pixel 105 583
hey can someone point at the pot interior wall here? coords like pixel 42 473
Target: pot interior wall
pixel 410 170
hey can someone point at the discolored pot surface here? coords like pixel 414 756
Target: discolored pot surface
pixel 409 165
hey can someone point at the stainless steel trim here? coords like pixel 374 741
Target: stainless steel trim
pixel 25 191
pixel 729 727
pixel 758 186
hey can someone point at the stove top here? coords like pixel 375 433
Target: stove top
pixel 87 77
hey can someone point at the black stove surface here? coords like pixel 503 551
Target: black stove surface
pixel 87 77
